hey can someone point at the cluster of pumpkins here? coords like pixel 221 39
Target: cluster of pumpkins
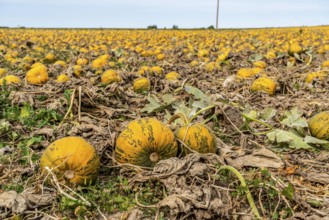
pixel 144 142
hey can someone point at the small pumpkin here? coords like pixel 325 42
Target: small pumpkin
pixel 245 73
pixel 77 69
pixel 197 137
pixel 82 61
pixel 260 64
pixel 110 76
pixel 264 84
pixel 141 84
pixel 72 159
pixel 62 78
pixel 3 71
pixel 143 70
pixel 325 64
pixel 10 79
pixel 60 63
pixel 295 48
pixel 319 125
pixel 145 142
pixel 50 57
pixel 37 75
pixel 157 70
pixel 315 75
pixel 172 76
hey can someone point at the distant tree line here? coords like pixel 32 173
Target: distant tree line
pixel 175 27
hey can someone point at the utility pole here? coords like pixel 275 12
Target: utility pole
pixel 217 14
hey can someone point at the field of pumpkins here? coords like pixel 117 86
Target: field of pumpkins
pixel 164 124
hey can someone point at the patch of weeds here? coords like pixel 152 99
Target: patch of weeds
pixel 264 191
pixel 114 196
pixel 13 186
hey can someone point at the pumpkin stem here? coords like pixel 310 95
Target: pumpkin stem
pixel 199 112
pixel 177 116
pixel 69 174
pixel 154 157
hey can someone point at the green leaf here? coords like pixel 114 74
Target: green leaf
pixel 249 114
pixel 153 105
pixel 25 112
pixel 288 191
pixel 285 137
pixel 168 98
pixel 181 107
pixel 296 55
pixel 313 140
pixel 197 93
pixel 268 114
pixel 255 57
pixel 294 119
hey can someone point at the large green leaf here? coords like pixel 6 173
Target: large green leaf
pixel 285 137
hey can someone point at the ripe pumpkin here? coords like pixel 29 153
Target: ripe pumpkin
pixel 110 76
pixel 197 137
pixel 10 79
pixel 319 125
pixel 259 64
pixel 37 75
pixel 72 159
pixel 145 142
pixel 62 78
pixel 294 48
pixel 264 84
pixel 141 84
pixel 3 71
pixel 245 73
pixel 315 75
pixel 156 70
pixel 172 76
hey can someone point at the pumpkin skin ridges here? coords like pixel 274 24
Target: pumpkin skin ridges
pixel 72 154
pixel 198 138
pixel 143 137
pixel 319 125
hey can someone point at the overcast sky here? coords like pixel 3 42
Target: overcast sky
pixel 163 13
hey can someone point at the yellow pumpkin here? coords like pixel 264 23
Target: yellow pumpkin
pixel 295 48
pixel 315 75
pixel 60 63
pixel 157 70
pixel 244 73
pixel 72 159
pixel 3 71
pixel 143 70
pixel 50 57
pixel 77 69
pixel 172 76
pixel 141 84
pixel 325 64
pixel 82 61
pixel 62 78
pixel 110 76
pixel 197 137
pixel 37 75
pixel 10 79
pixel 264 84
pixel 145 142
pixel 319 125
pixel 259 64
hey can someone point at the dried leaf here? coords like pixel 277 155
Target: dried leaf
pixel 11 200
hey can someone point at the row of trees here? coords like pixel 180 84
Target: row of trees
pixel 175 27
